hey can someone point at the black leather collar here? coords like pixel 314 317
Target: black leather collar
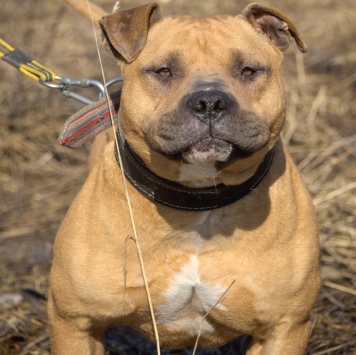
pixel 177 196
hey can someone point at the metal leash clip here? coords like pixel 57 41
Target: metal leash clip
pixel 65 83
pixel 36 71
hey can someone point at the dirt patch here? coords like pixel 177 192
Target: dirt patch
pixel 39 178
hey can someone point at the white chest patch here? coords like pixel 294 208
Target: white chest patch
pixel 188 299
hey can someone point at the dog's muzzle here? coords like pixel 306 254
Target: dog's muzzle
pixel 208 126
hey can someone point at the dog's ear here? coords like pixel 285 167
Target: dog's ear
pixel 125 32
pixel 275 25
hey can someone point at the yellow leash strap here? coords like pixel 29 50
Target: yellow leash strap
pixel 24 63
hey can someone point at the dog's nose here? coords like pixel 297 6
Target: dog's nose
pixel 209 105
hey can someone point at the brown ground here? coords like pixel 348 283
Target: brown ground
pixel 39 178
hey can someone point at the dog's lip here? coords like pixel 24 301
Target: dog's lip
pixel 208 149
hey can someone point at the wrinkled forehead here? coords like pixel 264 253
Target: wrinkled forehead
pixel 213 40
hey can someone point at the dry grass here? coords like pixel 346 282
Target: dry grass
pixel 38 178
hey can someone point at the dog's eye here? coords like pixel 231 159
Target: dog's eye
pixel 164 72
pixel 248 72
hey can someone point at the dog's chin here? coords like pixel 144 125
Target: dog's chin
pixel 209 150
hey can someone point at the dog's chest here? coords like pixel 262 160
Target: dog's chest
pixel 188 299
pixel 192 292
pixel 190 278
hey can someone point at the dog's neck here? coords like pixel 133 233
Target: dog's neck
pixel 172 194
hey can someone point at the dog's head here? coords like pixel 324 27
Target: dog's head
pixel 203 100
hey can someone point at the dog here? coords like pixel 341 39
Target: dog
pixel 222 219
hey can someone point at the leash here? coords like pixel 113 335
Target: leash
pixel 25 63
pixel 45 76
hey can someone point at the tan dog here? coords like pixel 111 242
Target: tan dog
pixel 226 226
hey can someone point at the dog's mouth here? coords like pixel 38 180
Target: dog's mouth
pixel 208 150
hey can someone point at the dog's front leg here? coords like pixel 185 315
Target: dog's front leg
pixel 73 336
pixel 287 338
